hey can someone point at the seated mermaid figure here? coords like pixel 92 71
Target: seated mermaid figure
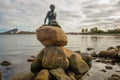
pixel 51 16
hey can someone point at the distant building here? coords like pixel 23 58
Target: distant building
pixel 12 31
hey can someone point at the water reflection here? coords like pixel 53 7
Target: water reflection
pixel 98 42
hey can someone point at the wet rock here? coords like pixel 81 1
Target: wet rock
pixel 59 74
pixel 113 78
pixel 117 71
pixel 116 75
pixel 108 67
pixel 110 48
pixel 103 70
pixel 71 76
pixel 77 64
pixel 110 54
pixel 30 60
pixel 106 61
pixel 78 51
pixel 36 65
pixel 8 68
pixel 54 57
pixel 51 36
pixel 43 75
pixel 67 52
pixel 79 76
pixel 98 60
pixel 6 63
pixel 90 49
pixel 118 47
pixel 94 54
pixel 87 58
pixel 118 57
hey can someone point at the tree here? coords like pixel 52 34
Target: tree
pixel 86 30
pixel 83 30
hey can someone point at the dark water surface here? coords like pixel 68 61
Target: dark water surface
pixel 18 48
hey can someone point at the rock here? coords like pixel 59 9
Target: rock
pixel 68 52
pixel 108 67
pixel 71 76
pixel 94 54
pixel 59 74
pixel 78 77
pixel 87 58
pixel 90 49
pixel 113 78
pixel 36 65
pixel 110 48
pixel 117 71
pixel 106 61
pixel 77 64
pixel 118 57
pixel 6 63
pixel 116 75
pixel 0 76
pixel 30 60
pixel 43 75
pixel 103 70
pixel 54 57
pixel 8 68
pixel 118 47
pixel 78 51
pixel 110 54
pixel 98 60
pixel 51 36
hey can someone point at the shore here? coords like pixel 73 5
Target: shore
pixel 98 70
pixel 95 73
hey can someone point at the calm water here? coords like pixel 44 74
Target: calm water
pixel 18 48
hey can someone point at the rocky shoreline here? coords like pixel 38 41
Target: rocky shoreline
pixel 55 62
pixel 98 70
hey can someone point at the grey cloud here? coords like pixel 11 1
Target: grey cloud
pixel 102 14
pixel 71 14
pixel 116 20
pixel 91 20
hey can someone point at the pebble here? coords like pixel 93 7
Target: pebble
pixel 6 63
pixel 103 70
pixel 108 67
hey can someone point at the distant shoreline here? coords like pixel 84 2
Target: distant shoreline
pixel 118 34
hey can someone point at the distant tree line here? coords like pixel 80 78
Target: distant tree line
pixel 95 30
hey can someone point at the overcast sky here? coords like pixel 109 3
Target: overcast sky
pixel 72 15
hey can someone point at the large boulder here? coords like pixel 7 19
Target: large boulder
pixel 43 75
pixel 51 35
pixel 36 65
pixel 110 53
pixel 67 52
pixel 54 57
pixel 59 74
pixel 87 58
pixel 78 65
